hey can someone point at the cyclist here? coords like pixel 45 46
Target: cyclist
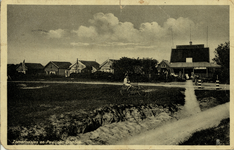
pixel 127 82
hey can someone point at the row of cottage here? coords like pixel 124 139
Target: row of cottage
pixel 62 68
pixel 186 60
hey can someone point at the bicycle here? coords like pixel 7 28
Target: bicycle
pixel 139 90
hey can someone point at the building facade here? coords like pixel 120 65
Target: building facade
pixel 106 66
pixel 190 53
pixel 189 60
pixel 82 66
pixel 30 68
pixel 57 68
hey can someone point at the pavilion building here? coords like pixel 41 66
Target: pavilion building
pixel 187 60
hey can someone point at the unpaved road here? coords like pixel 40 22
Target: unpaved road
pixel 191 105
pixel 173 133
pixel 191 120
pixel 205 86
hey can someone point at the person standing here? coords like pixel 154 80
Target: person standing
pixel 166 75
pixel 196 79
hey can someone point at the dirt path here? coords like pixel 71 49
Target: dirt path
pixel 191 105
pixel 205 86
pixel 191 120
pixel 173 133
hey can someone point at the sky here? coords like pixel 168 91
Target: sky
pixel 43 33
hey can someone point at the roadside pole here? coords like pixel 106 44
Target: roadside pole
pixel 199 83
pixel 217 83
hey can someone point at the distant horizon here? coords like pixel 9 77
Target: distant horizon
pixel 44 33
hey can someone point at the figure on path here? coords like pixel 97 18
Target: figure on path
pixel 127 82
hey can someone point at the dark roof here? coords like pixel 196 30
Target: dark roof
pixel 189 46
pixel 113 60
pixel 165 61
pixel 61 65
pixel 8 65
pixel 198 53
pixel 194 64
pixel 12 66
pixel 90 63
pixel 34 66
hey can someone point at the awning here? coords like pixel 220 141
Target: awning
pixel 194 65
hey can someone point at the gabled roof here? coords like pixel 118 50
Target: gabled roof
pixel 166 62
pixel 60 64
pixel 112 60
pixel 8 65
pixel 12 66
pixel 90 63
pixel 32 65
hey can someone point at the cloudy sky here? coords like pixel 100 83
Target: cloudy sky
pixel 41 34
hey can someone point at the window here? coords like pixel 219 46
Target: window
pixel 163 66
pixel 189 59
pixel 52 72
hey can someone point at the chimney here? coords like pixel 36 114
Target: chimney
pixel 190 42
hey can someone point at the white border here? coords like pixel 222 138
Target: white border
pixel 103 2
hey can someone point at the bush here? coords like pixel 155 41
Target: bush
pixel 83 75
pixel 222 96
pixel 102 75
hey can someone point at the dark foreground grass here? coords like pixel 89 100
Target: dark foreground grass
pixel 210 136
pixel 222 96
pixel 29 106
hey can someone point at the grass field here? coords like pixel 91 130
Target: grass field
pixel 222 96
pixel 31 104
pixel 211 98
pixel 26 106
pixel 222 131
pixel 209 136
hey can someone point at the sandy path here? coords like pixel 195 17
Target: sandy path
pixel 173 133
pixel 191 105
pixel 191 120
pixel 206 86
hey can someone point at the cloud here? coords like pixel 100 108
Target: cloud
pixel 146 47
pixel 152 31
pixel 104 21
pixel 55 33
pixel 124 44
pixel 40 31
pixel 79 44
pixel 106 28
pixel 59 33
pixel 180 26
pixel 105 44
pixel 86 32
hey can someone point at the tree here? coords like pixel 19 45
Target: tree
pixel 148 65
pixel 222 57
pixel 135 68
pixel 123 66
